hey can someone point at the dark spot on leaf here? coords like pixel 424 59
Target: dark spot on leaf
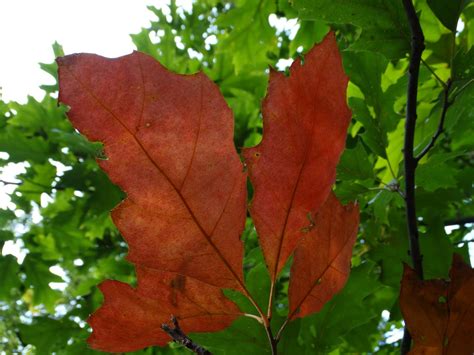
pixel 178 282
pixel 311 225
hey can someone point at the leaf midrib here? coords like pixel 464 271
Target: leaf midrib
pixel 329 265
pixel 283 233
pixel 191 213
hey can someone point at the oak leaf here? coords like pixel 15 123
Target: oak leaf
pixel 168 140
pixel 305 120
pixel 169 144
pixel 131 319
pixel 322 260
pixel 439 314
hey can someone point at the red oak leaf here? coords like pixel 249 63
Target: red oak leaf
pixel 168 139
pixel 131 319
pixel 439 314
pixel 169 144
pixel 322 260
pixel 305 120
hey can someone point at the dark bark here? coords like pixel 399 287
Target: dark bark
pixel 180 337
pixel 410 161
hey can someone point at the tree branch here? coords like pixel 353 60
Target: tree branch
pixel 460 221
pixel 446 104
pixel 181 338
pixel 417 47
pixel 4 182
pixel 465 241
pixel 273 341
pixel 434 73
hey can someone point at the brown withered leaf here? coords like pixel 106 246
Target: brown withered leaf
pixel 439 314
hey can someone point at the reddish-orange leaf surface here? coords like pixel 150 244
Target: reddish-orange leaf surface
pixel 440 314
pixel 168 139
pixel 322 260
pixel 293 168
pixel 130 319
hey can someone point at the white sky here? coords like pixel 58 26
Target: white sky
pixel 28 28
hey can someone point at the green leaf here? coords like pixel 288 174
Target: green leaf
pixel 251 36
pixel 47 334
pixel 291 342
pixel 347 191
pixel 6 216
pixel 373 135
pixel 309 33
pixel 23 148
pixel 348 310
pixel 391 254
pixel 39 118
pixel 52 69
pixel 463 70
pixel 244 336
pixel 381 205
pixel 37 180
pixel 448 12
pixel 38 278
pixel 383 22
pixel 77 143
pixel 258 283
pixel 355 164
pixel 366 70
pixel 460 120
pixel 433 176
pixel 437 252
pixel 4 236
pixel 394 154
pixel 9 275
pixel 166 51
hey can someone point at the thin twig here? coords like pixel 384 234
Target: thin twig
pixel 465 241
pixel 460 221
pixel 19 183
pixel 417 47
pixel 393 187
pixel 253 316
pixel 4 182
pixel 434 73
pixel 181 338
pixel 391 169
pixel 446 104
pixel 461 89
pixel 264 320
pixel 273 341
pixel 281 330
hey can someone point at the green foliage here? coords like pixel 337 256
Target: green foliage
pixel 59 211
pixel 46 333
pixel 382 23
pixel 448 12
